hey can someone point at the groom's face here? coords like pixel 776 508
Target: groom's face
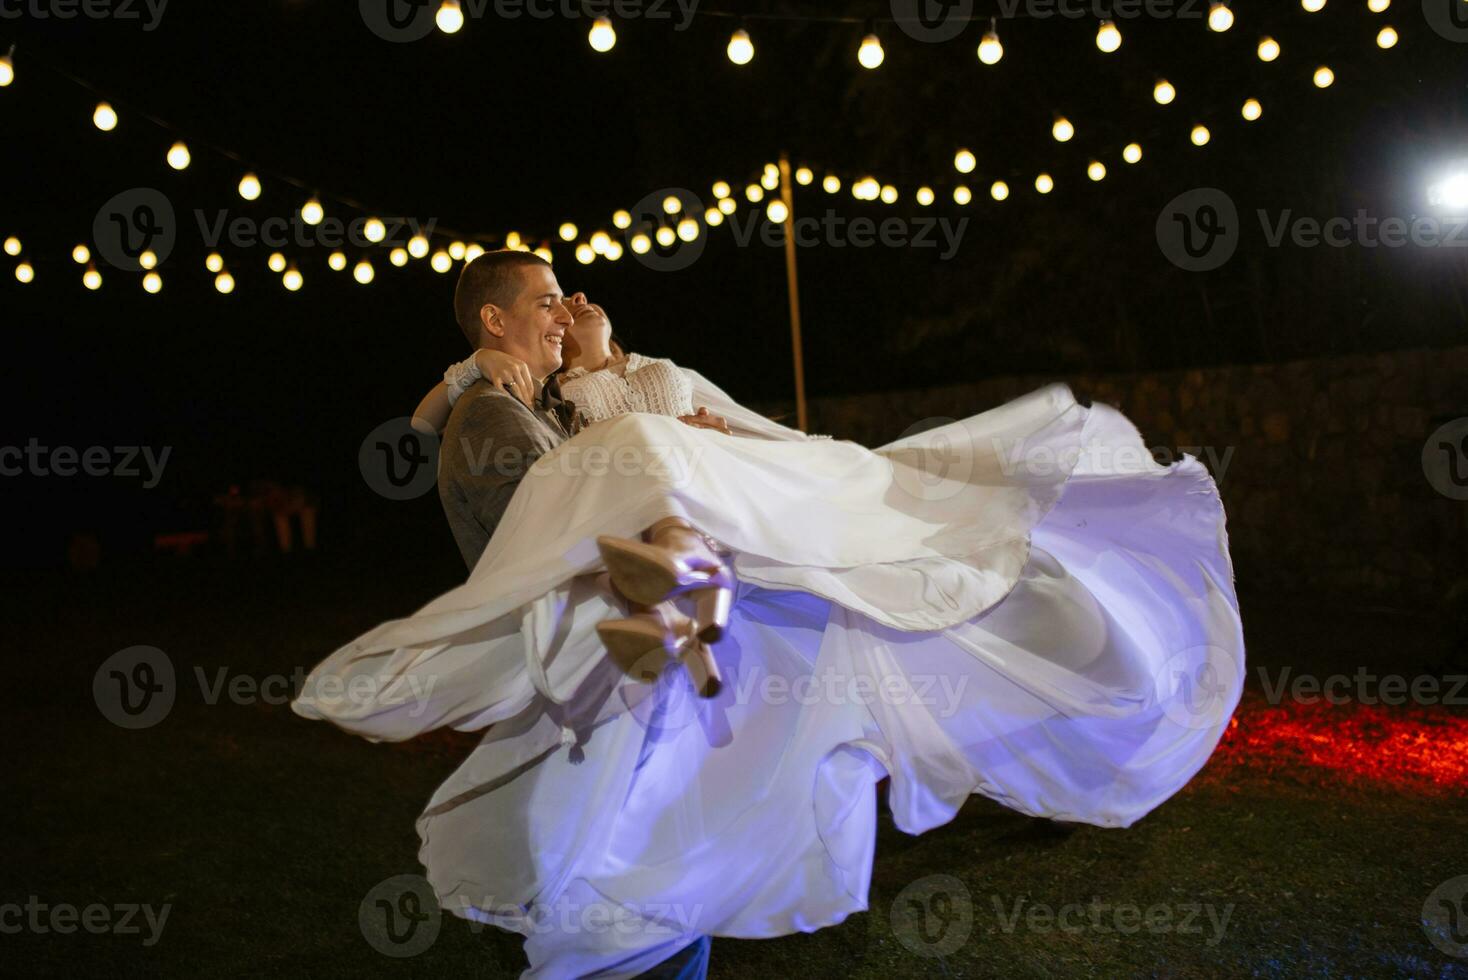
pixel 533 327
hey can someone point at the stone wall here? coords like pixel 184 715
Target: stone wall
pixel 1319 462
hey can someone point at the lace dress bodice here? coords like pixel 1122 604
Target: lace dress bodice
pixel 649 384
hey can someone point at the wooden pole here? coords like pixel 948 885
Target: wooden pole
pixel 788 197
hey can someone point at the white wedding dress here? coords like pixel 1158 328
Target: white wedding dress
pixel 1021 604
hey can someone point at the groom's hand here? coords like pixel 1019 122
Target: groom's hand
pixel 704 419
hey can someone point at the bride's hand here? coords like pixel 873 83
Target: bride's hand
pixel 509 374
pixel 704 419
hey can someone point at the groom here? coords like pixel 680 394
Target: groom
pixel 510 301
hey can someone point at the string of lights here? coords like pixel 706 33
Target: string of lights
pixel 443 247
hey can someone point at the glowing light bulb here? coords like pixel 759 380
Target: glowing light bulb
pixel 81 255
pixel 1200 135
pixel 363 272
pixel 276 262
pixel 721 188
pixel 1097 170
pixel 688 229
pixel 1252 110
pixel 585 254
pixel 641 243
pixel 777 212
pixel 925 195
pixel 889 194
pixel 512 239
pixel 12 245
pixel 870 54
pixel 104 117
pixel 964 162
pixel 1108 38
pixel 441 262
pixel 450 19
pixel 249 187
pixel 614 251
pixel 602 35
pixel 1387 37
pixel 293 280
pixel 600 241
pixel 457 251
pixel 92 279
pixel 990 48
pixel 1220 18
pixel 999 190
pixel 727 205
pixel 152 282
pixel 1378 6
pixel 755 193
pixel 1268 49
pixel 770 180
pixel 337 261
pixel 962 195
pixel 178 156
pixel 224 282
pixel 1324 77
pixel 374 230
pixel 1132 153
pixel 713 217
pixel 473 251
pixel 1313 6
pixel 831 184
pixel 418 246
pixel 567 232
pixel 25 272
pixel 545 253
pixel 1044 184
pixel 398 257
pixel 214 263
pixel 1062 130
pixel 741 48
pixel 803 176
pixel 1163 93
pixel 666 236
pixel 622 219
pixel 7 75
pixel 312 212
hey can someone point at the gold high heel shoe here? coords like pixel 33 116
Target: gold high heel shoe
pixel 642 644
pixel 650 574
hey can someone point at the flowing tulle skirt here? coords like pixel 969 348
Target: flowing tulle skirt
pixel 1021 605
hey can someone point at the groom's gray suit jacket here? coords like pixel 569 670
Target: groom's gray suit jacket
pixel 491 440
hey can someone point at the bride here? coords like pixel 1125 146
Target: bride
pixel 1021 604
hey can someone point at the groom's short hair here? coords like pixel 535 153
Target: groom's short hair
pixel 493 277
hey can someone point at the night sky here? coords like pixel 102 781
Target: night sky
pixel 518 124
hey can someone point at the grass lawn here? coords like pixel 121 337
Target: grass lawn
pixel 1306 848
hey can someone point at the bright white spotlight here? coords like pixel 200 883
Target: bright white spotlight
pixel 1450 193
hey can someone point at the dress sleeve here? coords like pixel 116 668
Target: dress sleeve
pixel 460 376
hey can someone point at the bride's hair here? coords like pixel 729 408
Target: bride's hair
pixel 493 277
